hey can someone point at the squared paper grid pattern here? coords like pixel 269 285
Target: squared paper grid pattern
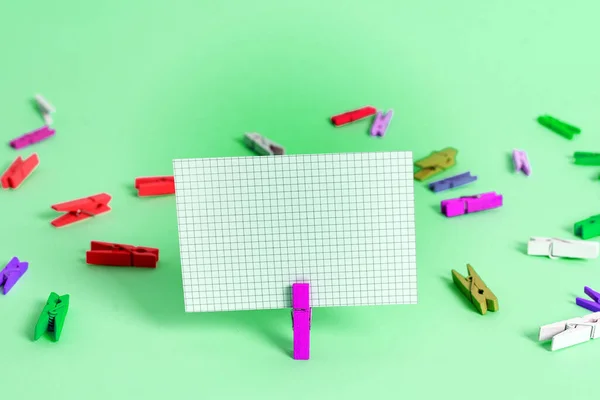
pixel 250 227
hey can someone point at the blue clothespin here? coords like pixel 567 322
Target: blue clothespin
pixel 593 306
pixel 452 182
pixel 13 271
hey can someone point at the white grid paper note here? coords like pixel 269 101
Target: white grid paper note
pixel 250 227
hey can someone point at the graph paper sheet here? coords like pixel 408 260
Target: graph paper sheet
pixel 250 227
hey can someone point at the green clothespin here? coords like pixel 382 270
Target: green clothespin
pixel 584 158
pixel 560 127
pixel 53 316
pixel 588 228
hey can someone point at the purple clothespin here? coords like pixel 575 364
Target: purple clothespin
pixel 470 204
pixel 521 162
pixel 452 182
pixel 593 306
pixel 13 271
pixel 32 137
pixel 301 319
pixel 381 122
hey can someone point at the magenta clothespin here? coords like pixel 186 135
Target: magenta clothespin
pixel 13 271
pixel 521 162
pixel 381 122
pixel 301 318
pixel 471 204
pixel 32 137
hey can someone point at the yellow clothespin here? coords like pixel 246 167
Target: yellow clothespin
pixel 435 163
pixel 476 291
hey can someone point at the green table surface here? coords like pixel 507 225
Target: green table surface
pixel 137 84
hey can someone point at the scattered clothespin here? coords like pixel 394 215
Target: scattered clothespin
pixel 80 209
pixel 263 146
pixel 381 122
pixel 435 163
pixel 32 137
pixel 452 182
pixel 121 255
pixel 18 171
pixel 572 331
pixel 45 108
pixel 53 316
pixel 588 228
pixel 301 320
pixel 555 248
pixel 470 204
pixel 562 128
pixel 476 291
pixel 594 305
pixel 155 185
pixel 521 162
pixel 351 116
pixel 585 158
pixel 13 271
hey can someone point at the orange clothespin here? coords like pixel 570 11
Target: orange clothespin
pixel 80 209
pixel 155 185
pixel 18 171
pixel 121 255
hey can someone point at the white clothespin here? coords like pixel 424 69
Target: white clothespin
pixel 263 146
pixel 553 248
pixel 45 108
pixel 572 331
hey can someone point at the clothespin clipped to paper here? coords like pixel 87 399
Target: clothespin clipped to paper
pixel 592 305
pixel 355 115
pixel 470 204
pixel 121 255
pixel 562 128
pixel 435 163
pixel 263 146
pixel 12 272
pixel 474 289
pixel 53 317
pixel 521 162
pixel 18 171
pixel 381 123
pixel 588 228
pixel 30 138
pixel 155 186
pixel 301 320
pixel 452 182
pixel 45 108
pixel 572 331
pixel 557 248
pixel 81 209
pixel 585 158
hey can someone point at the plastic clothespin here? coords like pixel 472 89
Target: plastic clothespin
pixel 32 137
pixel 594 305
pixel 476 291
pixel 81 209
pixel 381 123
pixel 53 317
pixel 301 320
pixel 121 255
pixel 452 182
pixel 45 108
pixel 572 331
pixel 262 146
pixel 588 228
pixel 470 204
pixel 11 274
pixel 351 116
pixel 18 171
pixel 555 248
pixel 562 128
pixel 435 163
pixel 155 186
pixel 585 158
pixel 521 162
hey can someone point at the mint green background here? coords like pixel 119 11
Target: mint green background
pixel 137 84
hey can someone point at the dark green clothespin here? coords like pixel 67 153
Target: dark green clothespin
pixel 588 228
pixel 560 127
pixel 53 316
pixel 585 158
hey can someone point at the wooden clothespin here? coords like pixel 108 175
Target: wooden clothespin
pixel 121 255
pixel 18 171
pixel 572 331
pixel 155 186
pixel 11 274
pixel 80 209
pixel 588 228
pixel 435 163
pixel 53 316
pixel 301 320
pixel 262 146
pixel 476 290
pixel 562 248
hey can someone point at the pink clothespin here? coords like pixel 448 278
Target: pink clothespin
pixel 381 122
pixel 301 318
pixel 32 137
pixel 471 204
pixel 521 162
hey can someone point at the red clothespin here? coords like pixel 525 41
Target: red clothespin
pixel 121 255
pixel 19 170
pixel 80 209
pixel 351 116
pixel 155 185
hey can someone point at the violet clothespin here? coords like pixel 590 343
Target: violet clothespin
pixel 381 122
pixel 13 271
pixel 594 305
pixel 301 318
pixel 471 204
pixel 521 162
pixel 32 137
pixel 452 182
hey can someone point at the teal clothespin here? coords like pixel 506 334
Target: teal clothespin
pixel 560 127
pixel 588 228
pixel 585 158
pixel 53 316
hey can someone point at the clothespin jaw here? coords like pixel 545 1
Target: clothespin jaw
pixel 521 162
pixel 45 108
pixel 585 158
pixel 474 289
pixel 351 116
pixel 155 185
pixel 471 204
pixel 262 146
pixel 12 272
pixel 121 255
pixel 33 137
pixel 18 171
pixel 381 123
pixel 572 331
pixel 592 305
pixel 452 182
pixel 556 248
pixel 435 163
pixel 301 320
pixel 588 228
pixel 81 209
pixel 562 128
pixel 53 317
